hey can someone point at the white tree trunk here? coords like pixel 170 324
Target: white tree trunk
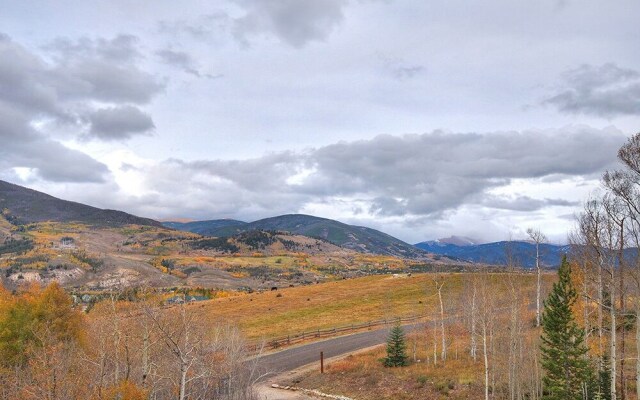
pixel 538 285
pixel 474 345
pixel 486 361
pixel 443 352
pixel 612 344
pixel 600 311
pixel 183 380
pixel 638 352
pixel 435 343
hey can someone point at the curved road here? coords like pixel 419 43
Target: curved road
pixel 300 356
pixel 296 357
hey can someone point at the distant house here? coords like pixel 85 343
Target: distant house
pixel 191 299
pixel 185 299
pixel 67 242
pixel 175 300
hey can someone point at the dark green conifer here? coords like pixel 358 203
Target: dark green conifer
pixel 563 349
pixel 396 348
pixel 603 391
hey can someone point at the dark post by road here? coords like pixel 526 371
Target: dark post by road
pixel 322 362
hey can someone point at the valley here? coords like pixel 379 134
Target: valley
pixel 66 242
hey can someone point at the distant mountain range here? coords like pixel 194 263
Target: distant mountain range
pixel 20 205
pixel 518 253
pixel 358 238
pixel 457 240
pixel 203 227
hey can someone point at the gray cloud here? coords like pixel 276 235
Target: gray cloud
pixel 109 82
pixel 204 27
pixel 25 82
pixel 35 92
pixel 101 69
pixel 24 147
pixel 524 203
pixel 295 22
pixel 120 122
pixel 122 48
pixel 604 91
pixel 392 176
pixel 183 61
pixel 179 59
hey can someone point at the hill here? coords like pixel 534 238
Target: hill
pixel 21 205
pixel 203 227
pixel 358 238
pixel 498 253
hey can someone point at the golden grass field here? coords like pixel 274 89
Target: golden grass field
pixel 340 303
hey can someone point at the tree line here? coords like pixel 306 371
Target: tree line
pixel 126 351
pixel 576 343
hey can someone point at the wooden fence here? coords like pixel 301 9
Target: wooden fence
pixel 320 333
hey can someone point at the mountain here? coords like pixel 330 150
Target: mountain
pixel 358 238
pixel 203 227
pixel 497 253
pixel 21 205
pixel 457 240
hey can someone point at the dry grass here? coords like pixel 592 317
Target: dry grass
pixel 362 376
pixel 338 303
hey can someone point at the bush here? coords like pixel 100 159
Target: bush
pixel 218 244
pixel 16 246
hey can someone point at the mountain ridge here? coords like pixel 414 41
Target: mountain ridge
pixel 21 205
pixel 358 238
pixel 517 253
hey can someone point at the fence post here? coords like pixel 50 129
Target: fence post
pixel 322 362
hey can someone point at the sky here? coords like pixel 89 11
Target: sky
pixel 423 119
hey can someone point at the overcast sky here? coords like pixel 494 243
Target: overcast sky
pixel 420 118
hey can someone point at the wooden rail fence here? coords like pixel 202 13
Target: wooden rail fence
pixel 320 333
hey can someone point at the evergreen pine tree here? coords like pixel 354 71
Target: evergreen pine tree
pixel 604 380
pixel 396 348
pixel 564 358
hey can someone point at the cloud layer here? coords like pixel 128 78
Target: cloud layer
pixel 412 176
pixel 40 97
pixel 99 100
pixel 605 91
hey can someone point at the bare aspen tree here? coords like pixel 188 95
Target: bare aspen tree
pixel 473 319
pixel 435 343
pixel 537 237
pixel 601 225
pixel 624 184
pixel 486 316
pixel 615 241
pixel 439 281
pixel 591 237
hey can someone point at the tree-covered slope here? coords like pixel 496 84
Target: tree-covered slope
pixel 517 253
pixel 358 238
pixel 21 205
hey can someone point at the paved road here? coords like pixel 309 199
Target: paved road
pixel 296 357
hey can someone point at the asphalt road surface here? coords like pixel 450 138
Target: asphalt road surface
pixel 296 357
